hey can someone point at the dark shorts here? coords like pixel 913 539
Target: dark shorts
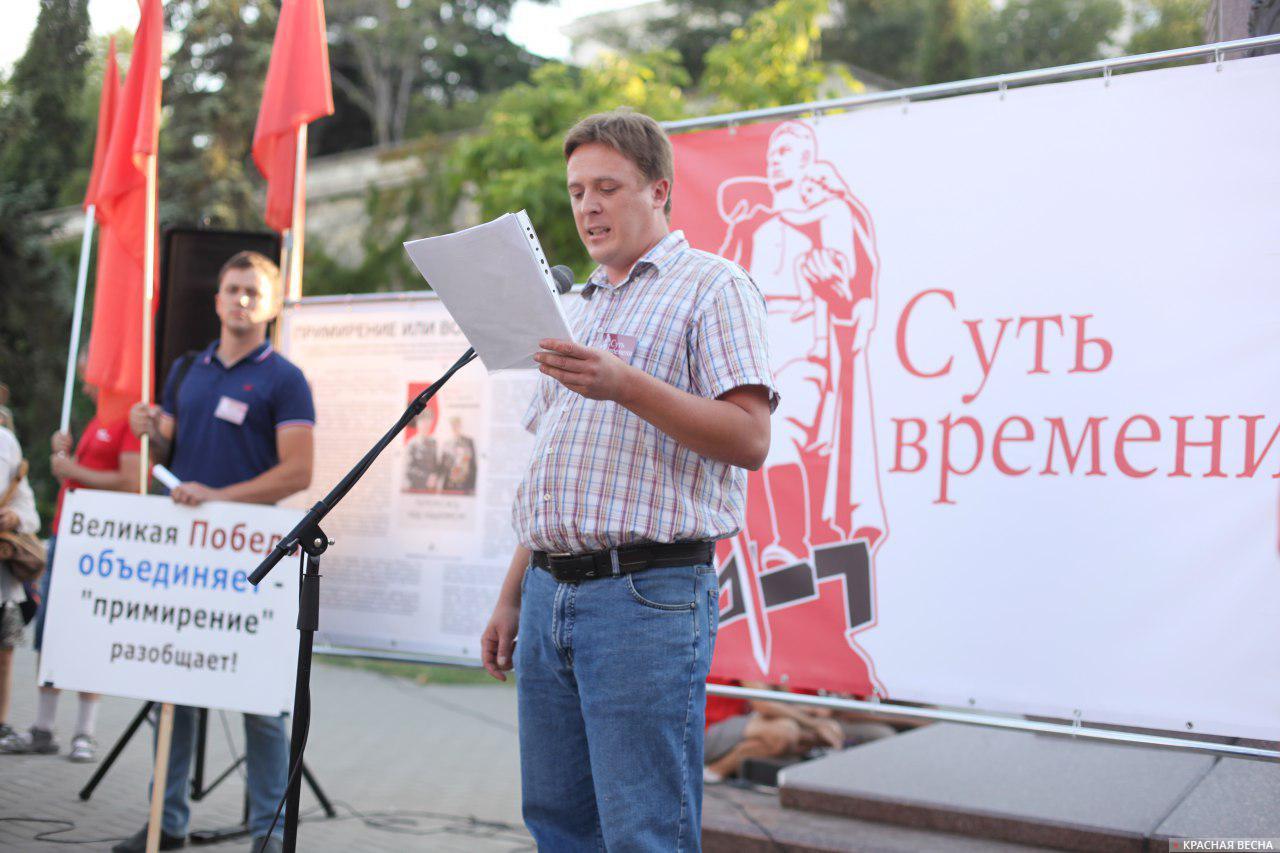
pixel 44 593
pixel 723 736
pixel 11 625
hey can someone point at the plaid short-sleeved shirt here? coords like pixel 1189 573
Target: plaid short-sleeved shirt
pixel 602 476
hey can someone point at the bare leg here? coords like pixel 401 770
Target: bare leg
pixel 762 738
pixel 861 731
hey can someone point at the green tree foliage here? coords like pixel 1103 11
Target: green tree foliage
pixel 76 180
pixel 36 291
pixel 928 41
pixel 912 42
pixel 1166 24
pixel 1027 34
pixel 211 98
pixel 883 36
pixel 392 216
pixel 40 127
pixel 692 28
pixel 945 49
pixel 42 139
pixel 418 65
pixel 516 160
pixel 773 60
pixel 400 68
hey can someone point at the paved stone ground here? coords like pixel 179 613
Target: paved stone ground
pixel 432 767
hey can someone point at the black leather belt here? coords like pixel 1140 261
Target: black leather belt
pixel 573 568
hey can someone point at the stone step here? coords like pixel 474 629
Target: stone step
pixel 1020 787
pixel 742 820
pixel 1237 799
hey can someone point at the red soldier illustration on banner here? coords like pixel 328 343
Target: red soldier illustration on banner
pixel 798 583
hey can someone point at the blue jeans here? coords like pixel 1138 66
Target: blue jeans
pixel 267 767
pixel 612 688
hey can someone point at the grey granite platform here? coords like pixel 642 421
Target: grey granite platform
pixel 1239 798
pixel 735 820
pixel 1019 787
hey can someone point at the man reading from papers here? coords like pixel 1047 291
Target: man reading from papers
pixel 644 432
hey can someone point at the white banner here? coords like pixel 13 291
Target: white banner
pixel 151 600
pixel 1027 458
pixel 424 540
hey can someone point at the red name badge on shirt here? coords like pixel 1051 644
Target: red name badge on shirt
pixel 231 410
pixel 623 346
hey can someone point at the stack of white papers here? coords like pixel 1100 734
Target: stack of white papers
pixel 495 282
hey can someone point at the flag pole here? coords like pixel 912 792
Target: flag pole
pixel 164 733
pixel 286 256
pixel 148 296
pixel 286 241
pixel 297 229
pixel 77 317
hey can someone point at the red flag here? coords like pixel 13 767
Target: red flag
pixel 297 92
pixel 115 342
pixel 106 112
pixel 134 133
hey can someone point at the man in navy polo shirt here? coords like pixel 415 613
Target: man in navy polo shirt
pixel 242 416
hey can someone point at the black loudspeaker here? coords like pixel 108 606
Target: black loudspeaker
pixel 189 263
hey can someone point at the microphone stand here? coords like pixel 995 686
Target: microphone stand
pixel 313 542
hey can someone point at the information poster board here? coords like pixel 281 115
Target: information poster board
pixel 424 540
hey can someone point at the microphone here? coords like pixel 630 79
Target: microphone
pixel 563 277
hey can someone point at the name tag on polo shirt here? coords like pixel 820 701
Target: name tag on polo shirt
pixel 231 410
pixel 623 346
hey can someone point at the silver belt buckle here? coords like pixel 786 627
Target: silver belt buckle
pixel 551 567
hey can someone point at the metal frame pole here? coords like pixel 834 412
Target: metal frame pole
pixel 978 84
pixel 888 709
pixel 77 316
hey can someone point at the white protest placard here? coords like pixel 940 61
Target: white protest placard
pixel 151 600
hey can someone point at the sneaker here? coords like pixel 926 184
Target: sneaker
pixel 264 844
pixel 137 843
pixel 7 736
pixel 83 749
pixel 36 742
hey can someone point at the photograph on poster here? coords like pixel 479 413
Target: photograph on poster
pixel 440 452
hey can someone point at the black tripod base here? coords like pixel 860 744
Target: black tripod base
pixel 87 791
pixel 241 830
pixel 198 789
